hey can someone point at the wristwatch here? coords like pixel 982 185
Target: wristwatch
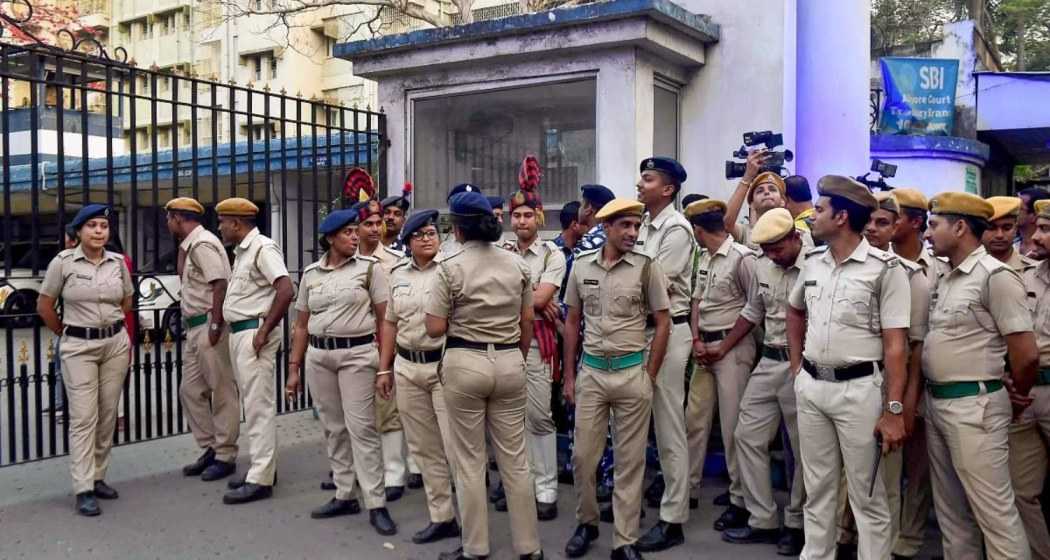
pixel 895 407
pixel 214 327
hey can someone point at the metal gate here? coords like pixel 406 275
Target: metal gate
pixel 78 128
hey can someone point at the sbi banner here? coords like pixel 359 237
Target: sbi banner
pixel 920 95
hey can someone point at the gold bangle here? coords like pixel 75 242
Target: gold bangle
pixel 384 372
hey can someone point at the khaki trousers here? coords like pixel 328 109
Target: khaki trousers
pixel 836 426
pixel 421 400
pixel 669 425
pixel 701 402
pixel 970 473
pixel 486 389
pixel 1029 438
pixel 342 383
pixel 891 468
pixel 255 376
pixel 628 395
pixel 94 373
pixel 392 438
pixel 209 393
pixel 916 498
pixel 539 427
pixel 769 396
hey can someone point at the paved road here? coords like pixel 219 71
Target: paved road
pixel 163 515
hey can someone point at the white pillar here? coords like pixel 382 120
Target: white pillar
pixel 832 86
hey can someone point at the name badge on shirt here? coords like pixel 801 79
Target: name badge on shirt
pixel 763 285
pixel 810 283
pixel 639 243
pixel 84 276
pixel 590 282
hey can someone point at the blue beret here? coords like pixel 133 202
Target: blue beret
pixel 338 220
pixel 399 201
pixel 597 195
pixel 88 212
pixel 461 188
pixel 495 201
pixel 471 203
pixel 416 221
pixel 667 165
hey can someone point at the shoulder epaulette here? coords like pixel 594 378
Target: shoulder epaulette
pixel 395 252
pixel 400 264
pixel 368 258
pixel 890 259
pixel 816 251
pixel 442 257
pixel 588 253
pixel 311 266
pixel 745 250
pixel 66 253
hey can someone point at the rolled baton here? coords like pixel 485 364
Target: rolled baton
pixel 875 467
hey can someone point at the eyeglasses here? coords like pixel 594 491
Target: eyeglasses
pixel 426 234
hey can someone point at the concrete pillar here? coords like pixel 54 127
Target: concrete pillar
pixel 832 87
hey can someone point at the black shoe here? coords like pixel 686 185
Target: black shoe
pixel 655 493
pixel 380 519
pixel 606 515
pixel 846 551
pixel 104 491
pixel 87 505
pixel 733 517
pixel 791 542
pixel 336 507
pixel 394 493
pixel 581 540
pixel 415 481
pixel 626 552
pixel 662 536
pixel 458 554
pixel 235 483
pixel 497 493
pixel 546 511
pixel 501 504
pixel 694 503
pixel 538 555
pixel 436 532
pixel 604 494
pixel 197 467
pixel 750 535
pixel 722 499
pixel 247 492
pixel 218 470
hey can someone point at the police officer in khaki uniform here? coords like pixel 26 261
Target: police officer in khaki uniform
pixel 978 319
pixel 721 290
pixel 208 390
pixel 395 211
pixel 547 270
pixel 613 289
pixel 770 395
pixel 413 357
pixel 667 238
pixel 999 239
pixel 95 287
pixel 257 298
pixel 1030 434
pixel 388 422
pixel 481 299
pixel 340 297
pixel 847 336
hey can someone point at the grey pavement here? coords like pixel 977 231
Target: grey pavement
pixel 162 514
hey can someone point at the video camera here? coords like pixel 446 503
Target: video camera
pixel 775 161
pixel 884 170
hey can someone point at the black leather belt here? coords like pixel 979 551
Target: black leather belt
pixel 339 343
pixel 774 353
pixel 713 336
pixel 420 356
pixel 854 371
pixel 455 342
pixel 90 333
pixel 676 320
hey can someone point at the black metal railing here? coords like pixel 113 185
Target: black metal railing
pixel 874 109
pixel 96 129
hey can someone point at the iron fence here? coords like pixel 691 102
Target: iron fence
pixel 80 128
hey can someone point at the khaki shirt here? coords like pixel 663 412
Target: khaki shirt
pixel 1019 262
pixel 848 305
pixel 410 289
pixel 768 298
pixel 340 299
pixel 257 264
pixel 546 263
pixel 668 239
pixel 481 289
pixel 742 233
pixel 931 265
pixel 205 263
pixel 1037 282
pixel 723 284
pixel 972 309
pixel 387 257
pixel 920 300
pixel 615 300
pixel 91 294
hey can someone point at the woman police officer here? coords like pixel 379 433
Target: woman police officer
pixel 481 298
pixel 413 357
pixel 96 288
pixel 340 297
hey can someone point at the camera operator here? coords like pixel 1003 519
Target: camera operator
pixel 763 191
